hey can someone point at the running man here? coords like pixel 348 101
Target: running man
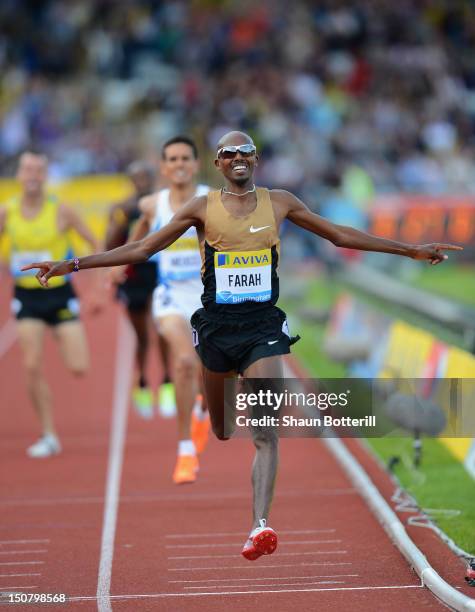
pixel 178 295
pixel 136 290
pixel 36 224
pixel 240 329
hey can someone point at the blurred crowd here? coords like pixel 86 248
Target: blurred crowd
pixel 365 95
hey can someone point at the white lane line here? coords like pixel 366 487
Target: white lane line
pixel 2 542
pixel 244 533
pixel 22 563
pixel 23 552
pixel 161 497
pixel 329 589
pixel 292 542
pixel 267 578
pixel 9 588
pixel 51 501
pixel 281 554
pixel 253 567
pixel 279 584
pixel 17 575
pixel 7 336
pixel 122 381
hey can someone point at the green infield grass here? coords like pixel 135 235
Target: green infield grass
pixel 441 485
pixel 456 282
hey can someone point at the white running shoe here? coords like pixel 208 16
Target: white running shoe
pixel 47 446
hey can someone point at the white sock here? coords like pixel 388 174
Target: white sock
pixel 186 447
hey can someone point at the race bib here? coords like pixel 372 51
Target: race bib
pixel 18 260
pixel 243 276
pixel 181 260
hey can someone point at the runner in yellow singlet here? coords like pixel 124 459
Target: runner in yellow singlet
pixel 36 225
pixel 240 329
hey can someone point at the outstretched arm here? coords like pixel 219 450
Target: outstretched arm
pixel 348 237
pixel 131 253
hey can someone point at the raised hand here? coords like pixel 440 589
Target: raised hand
pixel 47 269
pixel 434 252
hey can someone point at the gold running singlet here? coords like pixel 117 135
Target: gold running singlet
pixel 240 257
pixel 239 323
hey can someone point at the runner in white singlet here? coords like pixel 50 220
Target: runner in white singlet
pixel 180 287
pixel 178 296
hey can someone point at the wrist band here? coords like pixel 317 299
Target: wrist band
pixel 76 264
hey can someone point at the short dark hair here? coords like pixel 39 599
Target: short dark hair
pixel 35 151
pixel 181 139
pixel 140 165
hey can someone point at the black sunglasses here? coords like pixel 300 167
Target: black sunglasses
pixel 246 150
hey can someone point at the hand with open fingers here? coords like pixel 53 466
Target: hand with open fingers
pixel 434 252
pixel 47 269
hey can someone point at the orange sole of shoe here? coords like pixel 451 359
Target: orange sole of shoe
pixel 185 480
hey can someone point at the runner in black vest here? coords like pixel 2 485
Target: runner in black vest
pixel 136 289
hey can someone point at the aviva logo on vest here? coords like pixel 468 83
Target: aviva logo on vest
pixel 243 259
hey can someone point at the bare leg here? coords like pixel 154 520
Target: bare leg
pixel 266 441
pixel 140 322
pixel 175 330
pixel 222 420
pixel 31 334
pixel 73 346
pixel 164 355
pixel 204 401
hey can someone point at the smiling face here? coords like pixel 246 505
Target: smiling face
pixel 179 165
pixel 240 168
pixel 32 173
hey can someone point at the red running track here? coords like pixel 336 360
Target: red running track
pixel 104 517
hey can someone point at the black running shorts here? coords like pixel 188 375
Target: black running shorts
pixel 53 306
pixel 136 291
pixel 234 343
